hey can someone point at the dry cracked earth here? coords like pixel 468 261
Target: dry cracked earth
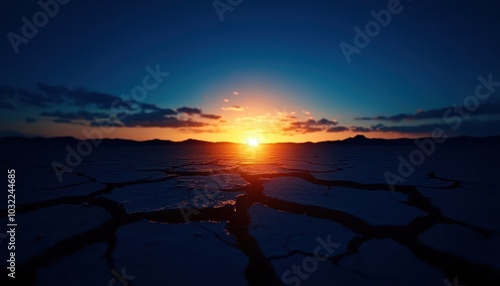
pixel 273 215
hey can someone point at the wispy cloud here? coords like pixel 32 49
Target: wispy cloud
pixel 310 126
pixel 468 127
pixel 484 109
pixel 157 119
pixel 48 95
pixel 471 127
pixel 74 116
pixel 211 116
pixel 94 108
pixel 337 129
pixel 360 129
pixel 189 110
pixel 233 108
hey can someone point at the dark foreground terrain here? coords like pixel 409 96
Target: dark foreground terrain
pixel 195 213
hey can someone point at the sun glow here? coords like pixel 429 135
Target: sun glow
pixel 253 142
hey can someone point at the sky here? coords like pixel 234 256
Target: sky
pixel 230 70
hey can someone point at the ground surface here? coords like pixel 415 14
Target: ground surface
pixel 272 215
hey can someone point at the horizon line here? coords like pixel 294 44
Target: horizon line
pixel 360 136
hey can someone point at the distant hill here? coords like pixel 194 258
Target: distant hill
pixel 362 140
pixel 357 140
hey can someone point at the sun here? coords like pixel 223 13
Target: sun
pixel 253 142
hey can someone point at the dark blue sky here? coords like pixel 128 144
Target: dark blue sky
pixel 281 57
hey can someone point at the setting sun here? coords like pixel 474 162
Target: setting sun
pixel 253 142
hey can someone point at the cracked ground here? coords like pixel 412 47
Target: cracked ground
pixel 227 214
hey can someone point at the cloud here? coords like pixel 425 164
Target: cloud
pixel 79 115
pixel 47 96
pixel 310 126
pixel 197 111
pixel 189 110
pixel 152 107
pixel 337 129
pixel 324 121
pixel 68 121
pixel 360 129
pixel 97 109
pixel 157 119
pixel 78 97
pixel 211 116
pixel 233 108
pixel 107 123
pixel 467 127
pixel 470 125
pixel 19 95
pixel 484 109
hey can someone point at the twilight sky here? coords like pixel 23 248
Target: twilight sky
pixel 232 69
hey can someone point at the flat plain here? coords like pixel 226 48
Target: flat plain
pixel 196 213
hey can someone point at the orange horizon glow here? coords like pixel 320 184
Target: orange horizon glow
pixel 245 115
pixel 236 135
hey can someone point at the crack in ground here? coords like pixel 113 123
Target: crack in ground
pixel 259 270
